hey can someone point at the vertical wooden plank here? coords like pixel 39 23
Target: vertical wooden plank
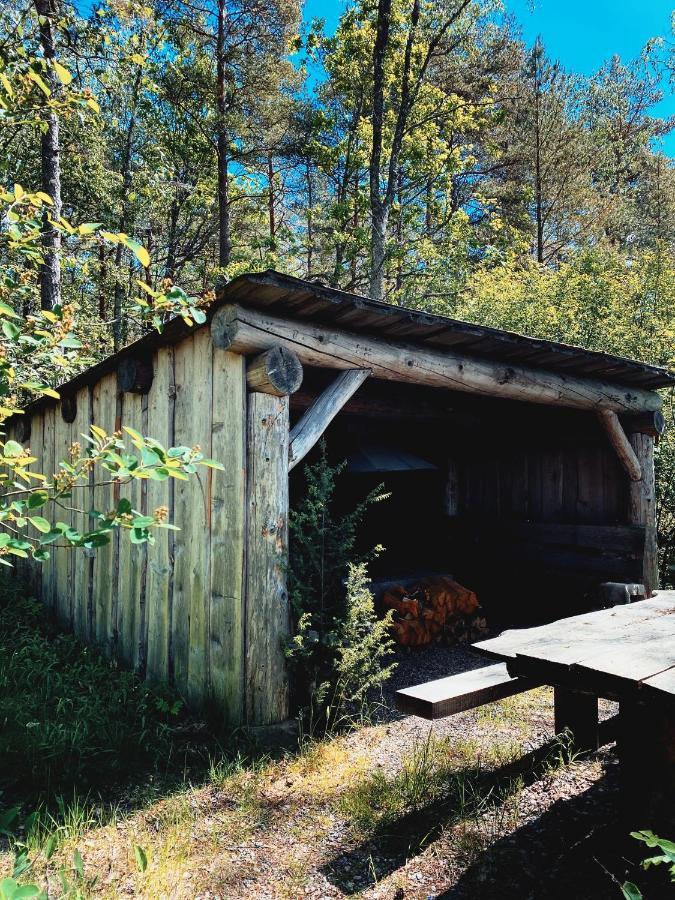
pixel 103 415
pixel 642 508
pixel 49 566
pixel 228 435
pixel 36 445
pixel 193 505
pixel 63 554
pixel 158 585
pixel 129 555
pixel 552 486
pixel 81 559
pixel 267 609
pixel 570 484
pixel 182 510
pixel 534 486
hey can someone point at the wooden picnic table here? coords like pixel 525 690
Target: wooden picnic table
pixel 625 653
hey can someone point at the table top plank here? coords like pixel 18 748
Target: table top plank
pixel 576 630
pixel 611 652
pixel 663 682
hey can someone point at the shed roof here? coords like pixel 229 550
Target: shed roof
pixel 288 296
pixel 292 297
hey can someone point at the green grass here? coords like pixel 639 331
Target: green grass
pixel 73 724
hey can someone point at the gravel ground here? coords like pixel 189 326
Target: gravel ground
pixel 286 832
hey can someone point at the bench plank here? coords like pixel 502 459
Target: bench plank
pixel 457 693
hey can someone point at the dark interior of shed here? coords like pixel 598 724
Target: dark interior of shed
pixel 525 504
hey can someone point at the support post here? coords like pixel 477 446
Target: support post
pixel 617 438
pixel 646 744
pixel 322 412
pixel 267 606
pixel 578 713
pixel 642 509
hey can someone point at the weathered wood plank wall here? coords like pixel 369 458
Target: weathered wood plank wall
pixel 173 611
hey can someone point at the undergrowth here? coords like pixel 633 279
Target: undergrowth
pixel 73 723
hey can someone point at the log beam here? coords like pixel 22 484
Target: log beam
pixel 318 417
pixel 252 331
pixel 617 438
pixel 277 371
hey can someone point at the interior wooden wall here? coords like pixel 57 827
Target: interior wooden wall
pixel 173 611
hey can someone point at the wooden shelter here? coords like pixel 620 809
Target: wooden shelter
pixel 537 481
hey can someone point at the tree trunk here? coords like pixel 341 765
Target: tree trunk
pixel 378 250
pixel 50 270
pixel 379 207
pixel 270 199
pixel 127 155
pixel 224 242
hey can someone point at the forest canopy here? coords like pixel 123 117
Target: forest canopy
pixel 422 154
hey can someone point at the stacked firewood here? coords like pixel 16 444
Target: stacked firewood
pixel 434 609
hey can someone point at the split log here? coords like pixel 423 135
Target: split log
pixel 251 331
pixel 319 416
pixel 643 508
pixel 617 437
pixel 277 371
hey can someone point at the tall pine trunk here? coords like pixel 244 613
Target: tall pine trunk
pixel 50 270
pixel 379 207
pixel 222 150
pixel 127 158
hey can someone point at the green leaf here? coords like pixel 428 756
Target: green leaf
pixel 78 864
pixel 64 75
pixel 89 227
pixel 124 507
pixel 141 858
pixel 37 499
pixel 631 891
pixel 13 449
pixel 213 464
pixel 70 342
pixel 143 521
pixel 10 330
pixel 41 524
pixel 139 251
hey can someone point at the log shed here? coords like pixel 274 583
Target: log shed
pixel 523 464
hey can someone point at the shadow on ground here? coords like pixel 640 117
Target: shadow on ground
pixel 567 851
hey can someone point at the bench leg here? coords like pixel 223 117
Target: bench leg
pixel 577 712
pixel 646 744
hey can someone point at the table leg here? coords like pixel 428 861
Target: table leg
pixel 646 745
pixel 577 712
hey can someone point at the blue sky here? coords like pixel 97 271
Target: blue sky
pixel 581 34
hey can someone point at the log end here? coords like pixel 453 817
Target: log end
pixel 277 371
pixel 134 375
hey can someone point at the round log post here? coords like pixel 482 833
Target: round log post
pixel 642 508
pixel 267 605
pixel 277 371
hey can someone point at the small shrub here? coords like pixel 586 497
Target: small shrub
pixel 338 649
